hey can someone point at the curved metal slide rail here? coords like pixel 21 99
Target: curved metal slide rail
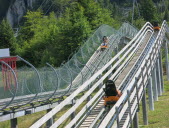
pixel 122 53
pixel 134 92
pixel 122 71
pixel 118 71
pixel 132 72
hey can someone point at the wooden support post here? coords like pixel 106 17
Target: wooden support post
pixel 154 80
pixel 158 78
pixel 166 61
pixel 50 121
pixel 144 107
pixel 135 120
pixel 14 123
pixel 161 72
pixel 150 94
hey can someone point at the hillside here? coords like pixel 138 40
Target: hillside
pixel 62 25
pixel 14 10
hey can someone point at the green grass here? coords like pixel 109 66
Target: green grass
pixel 24 121
pixel 28 120
pixel 159 118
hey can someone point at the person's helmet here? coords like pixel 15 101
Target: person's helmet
pixel 110 88
pixel 104 37
pixel 110 83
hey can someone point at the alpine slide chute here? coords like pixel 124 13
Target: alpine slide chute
pixel 133 60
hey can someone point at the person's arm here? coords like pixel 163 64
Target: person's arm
pixel 119 93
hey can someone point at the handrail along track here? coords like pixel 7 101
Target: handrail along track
pixel 71 110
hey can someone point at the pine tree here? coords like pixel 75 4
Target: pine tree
pixel 39 34
pixel 166 15
pixel 75 29
pixel 31 24
pixel 95 14
pixel 148 10
pixel 7 39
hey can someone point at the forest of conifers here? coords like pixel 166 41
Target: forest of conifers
pixel 51 35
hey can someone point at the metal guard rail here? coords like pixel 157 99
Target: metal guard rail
pixel 126 60
pixel 134 91
pixel 130 45
pixel 88 105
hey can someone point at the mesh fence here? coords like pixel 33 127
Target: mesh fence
pixel 48 82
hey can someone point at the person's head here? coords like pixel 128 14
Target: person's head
pixel 110 89
pixel 110 83
pixel 105 39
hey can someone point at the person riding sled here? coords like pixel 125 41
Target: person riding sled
pixel 111 93
pixel 104 44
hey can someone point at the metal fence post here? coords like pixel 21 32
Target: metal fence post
pixel 166 61
pixel 50 121
pixel 117 113
pixel 73 114
pixel 137 91
pixel 161 71
pixel 135 120
pixel 14 123
pixel 154 80
pixel 144 107
pixel 158 77
pixel 150 94
pixel 129 107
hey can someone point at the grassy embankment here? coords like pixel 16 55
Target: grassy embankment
pixel 159 118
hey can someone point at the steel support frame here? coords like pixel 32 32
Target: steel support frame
pixel 158 78
pixel 150 94
pixel 14 123
pixel 154 80
pixel 166 61
pixel 161 71
pixel 50 121
pixel 135 121
pixel 144 108
pixel 74 113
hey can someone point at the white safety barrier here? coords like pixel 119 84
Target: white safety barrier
pixel 135 90
pixel 127 51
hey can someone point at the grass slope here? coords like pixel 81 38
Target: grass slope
pixel 159 118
